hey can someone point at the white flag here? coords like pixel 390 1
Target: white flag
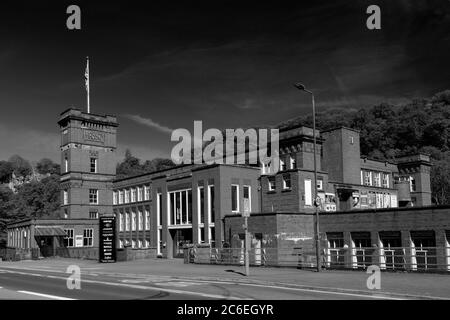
pixel 86 75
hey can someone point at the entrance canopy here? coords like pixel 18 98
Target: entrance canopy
pixel 49 231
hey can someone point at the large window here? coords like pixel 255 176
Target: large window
pixel 147 219
pixel 235 198
pixel 121 197
pixel 88 237
pixel 140 220
pixel 127 196
pixel 121 221
pixel 133 220
pixel 180 207
pixel 377 179
pixel 385 180
pixel 308 192
pixel 211 207
pixel 94 165
pixel 93 214
pixel 282 165
pixel 246 191
pixel 201 204
pixel 412 184
pixel 66 164
pixel 159 209
pixel 293 162
pixel 367 175
pixel 114 197
pixel 68 239
pixel 127 221
pixel 147 193
pixel 133 195
pixel 139 194
pixel 65 197
pixel 93 196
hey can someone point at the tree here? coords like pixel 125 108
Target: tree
pixel 47 166
pixel 130 166
pixel 6 171
pixel 21 167
pixel 6 196
pixel 158 164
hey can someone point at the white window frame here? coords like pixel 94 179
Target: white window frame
pixel 385 178
pixel 127 195
pixel 120 196
pixel 158 209
pixel 308 192
pixel 285 186
pixel 271 183
pixel 121 221
pixel 114 197
pixel 237 198
pixel 127 221
pixel 133 220
pixel 70 235
pixel 249 196
pixel 140 220
pixel 199 205
pixel 88 234
pixel 133 195
pixel 139 194
pixel 282 165
pixel 292 162
pixel 66 164
pixel 65 197
pixel 147 219
pixel 146 193
pixel 210 213
pixel 94 193
pixel 95 165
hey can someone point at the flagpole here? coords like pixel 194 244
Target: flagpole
pixel 87 84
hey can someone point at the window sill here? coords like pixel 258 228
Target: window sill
pixel 287 190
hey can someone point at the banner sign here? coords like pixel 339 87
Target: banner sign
pixel 107 236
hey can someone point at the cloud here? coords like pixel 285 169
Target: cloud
pixel 149 123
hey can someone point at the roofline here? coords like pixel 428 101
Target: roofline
pixel 341 127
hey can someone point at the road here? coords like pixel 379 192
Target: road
pixel 28 283
pixel 163 279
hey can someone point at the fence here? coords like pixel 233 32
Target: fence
pixel 390 258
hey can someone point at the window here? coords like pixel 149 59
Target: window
pixel 93 214
pixel 319 184
pixel 180 207
pixel 114 197
pixel 201 235
pixel 159 209
pixel 282 165
pixel 127 221
pixel 308 192
pixel 121 197
pixel 93 196
pixel 133 243
pixel 377 179
pixel 201 204
pixel 133 221
pixel 147 193
pixel 293 162
pixel 246 191
pixel 127 196
pixel 66 197
pixel 120 244
pixel 68 239
pixel 139 243
pixel 121 221
pixel 93 165
pixel 140 220
pixel 412 184
pixel 286 181
pixel 211 208
pixel 133 195
pixel 66 214
pixel 367 178
pixel 88 237
pixel 234 198
pixel 139 194
pixel 385 180
pixel 66 164
pixel 271 181
pixel 147 219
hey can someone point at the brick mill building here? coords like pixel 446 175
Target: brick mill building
pixel 364 202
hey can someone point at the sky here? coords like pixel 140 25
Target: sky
pixel 231 64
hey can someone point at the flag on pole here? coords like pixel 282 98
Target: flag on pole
pixel 86 82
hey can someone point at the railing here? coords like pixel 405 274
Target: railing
pixel 423 259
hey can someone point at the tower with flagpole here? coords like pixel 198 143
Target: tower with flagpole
pixel 86 80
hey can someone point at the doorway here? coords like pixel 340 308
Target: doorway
pixel 45 244
pixel 181 237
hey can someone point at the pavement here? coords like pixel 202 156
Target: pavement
pixel 172 279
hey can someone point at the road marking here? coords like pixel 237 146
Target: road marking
pixel 45 295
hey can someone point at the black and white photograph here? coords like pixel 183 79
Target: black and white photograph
pixel 234 157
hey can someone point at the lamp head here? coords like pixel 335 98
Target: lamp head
pixel 299 86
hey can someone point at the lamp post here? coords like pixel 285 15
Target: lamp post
pixel 316 204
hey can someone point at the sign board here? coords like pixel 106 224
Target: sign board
pixel 78 241
pixel 107 237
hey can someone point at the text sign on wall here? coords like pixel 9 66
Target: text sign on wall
pixel 107 234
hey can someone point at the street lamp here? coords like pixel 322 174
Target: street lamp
pixel 316 203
